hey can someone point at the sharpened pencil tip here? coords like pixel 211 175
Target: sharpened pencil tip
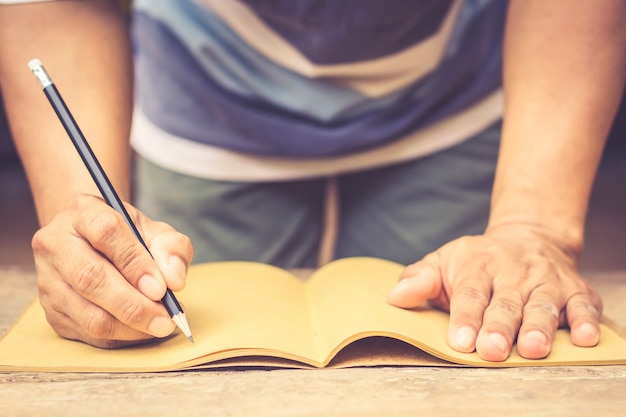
pixel 181 322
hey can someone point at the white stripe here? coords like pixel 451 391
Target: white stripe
pixel 204 161
pixel 374 78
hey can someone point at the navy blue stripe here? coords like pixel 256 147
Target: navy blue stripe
pixel 179 98
pixel 341 31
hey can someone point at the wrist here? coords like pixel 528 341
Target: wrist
pixel 569 240
pixel 547 205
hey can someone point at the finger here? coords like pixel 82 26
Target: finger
pixel 172 252
pixel 107 232
pixel 418 283
pixel 94 278
pixel 540 322
pixel 469 299
pixel 74 317
pixel 583 312
pixel 501 322
pixel 67 328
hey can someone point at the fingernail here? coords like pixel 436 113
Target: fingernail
pixel 589 329
pixel 465 337
pixel 400 288
pixel 537 336
pixel 178 268
pixel 406 293
pixel 150 287
pixel 498 340
pixel 161 326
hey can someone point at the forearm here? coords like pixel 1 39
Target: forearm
pixel 563 79
pixel 85 47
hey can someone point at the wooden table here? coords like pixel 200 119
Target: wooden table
pixel 561 391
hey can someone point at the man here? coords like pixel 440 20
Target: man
pixel 226 114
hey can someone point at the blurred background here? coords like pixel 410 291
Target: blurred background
pixel 606 223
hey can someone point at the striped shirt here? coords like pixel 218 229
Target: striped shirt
pixel 263 90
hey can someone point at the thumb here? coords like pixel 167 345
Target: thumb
pixel 173 268
pixel 418 283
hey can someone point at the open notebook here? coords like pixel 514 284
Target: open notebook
pixel 251 314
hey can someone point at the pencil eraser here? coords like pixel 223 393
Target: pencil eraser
pixel 34 63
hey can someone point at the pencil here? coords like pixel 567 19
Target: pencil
pixel 102 181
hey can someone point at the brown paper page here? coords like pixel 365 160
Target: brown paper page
pixel 348 301
pixel 234 308
pixel 248 308
pixel 240 312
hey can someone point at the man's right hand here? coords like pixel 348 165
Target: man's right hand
pixel 98 284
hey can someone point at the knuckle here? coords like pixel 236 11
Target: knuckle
pixel 582 309
pixel 585 302
pixel 509 306
pixel 99 324
pixel 185 243
pixel 104 225
pixel 131 312
pixel 542 309
pixel 90 278
pixel 40 242
pixel 472 295
pixel 598 305
pixel 129 259
pixel 42 287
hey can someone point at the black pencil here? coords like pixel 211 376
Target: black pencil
pixel 102 181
